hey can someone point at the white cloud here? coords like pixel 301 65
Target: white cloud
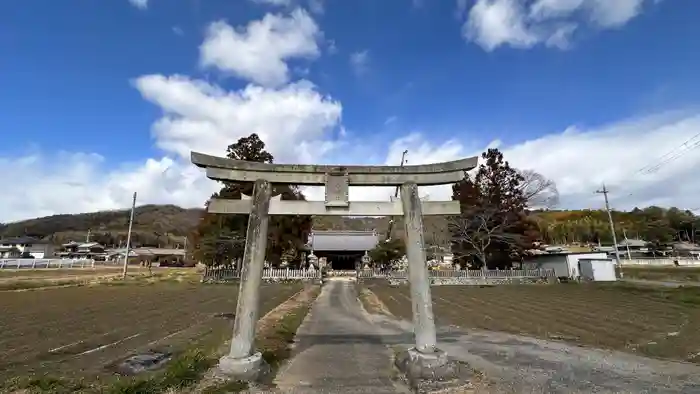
pixel 578 159
pixel 140 4
pixel 203 117
pixel 299 124
pixel 259 51
pixel 359 61
pixel 523 24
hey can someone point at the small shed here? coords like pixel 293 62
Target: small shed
pixel 598 270
pixel 565 265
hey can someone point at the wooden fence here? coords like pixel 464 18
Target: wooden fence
pixel 434 274
pixel 47 263
pixel 224 274
pixel 686 261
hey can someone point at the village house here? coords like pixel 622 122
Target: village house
pixel 88 250
pixel 25 247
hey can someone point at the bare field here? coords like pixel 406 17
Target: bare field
pixel 654 322
pixel 80 331
pixel 666 273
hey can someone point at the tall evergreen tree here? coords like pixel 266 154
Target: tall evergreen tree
pixel 493 227
pixel 220 239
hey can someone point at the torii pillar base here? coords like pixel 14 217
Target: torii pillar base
pixel 423 368
pixel 251 368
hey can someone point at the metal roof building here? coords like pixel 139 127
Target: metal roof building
pixel 343 241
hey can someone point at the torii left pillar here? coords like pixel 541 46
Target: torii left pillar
pixel 243 362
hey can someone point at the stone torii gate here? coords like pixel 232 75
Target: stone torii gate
pixel 242 361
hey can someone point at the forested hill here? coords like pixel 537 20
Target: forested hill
pixel 653 224
pixel 166 225
pixel 154 225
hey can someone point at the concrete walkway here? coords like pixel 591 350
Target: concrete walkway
pixel 338 350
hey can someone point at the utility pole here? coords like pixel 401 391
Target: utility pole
pixel 128 237
pixel 604 192
pixel 627 245
pixel 396 195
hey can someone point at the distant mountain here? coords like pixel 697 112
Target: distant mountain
pixel 167 225
pixel 164 225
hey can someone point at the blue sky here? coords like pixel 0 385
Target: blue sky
pixel 111 94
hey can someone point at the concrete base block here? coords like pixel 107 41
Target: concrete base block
pixel 250 368
pixel 433 366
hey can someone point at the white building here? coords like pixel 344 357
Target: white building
pixel 17 247
pixel 565 265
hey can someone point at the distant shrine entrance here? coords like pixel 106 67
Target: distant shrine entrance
pixel 243 361
pixel 343 250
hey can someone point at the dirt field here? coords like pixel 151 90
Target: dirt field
pixel 669 273
pixel 80 331
pixel 655 322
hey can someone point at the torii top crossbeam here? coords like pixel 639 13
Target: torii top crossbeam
pixel 223 169
pixel 336 179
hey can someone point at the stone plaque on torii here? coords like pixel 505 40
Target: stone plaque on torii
pixel 242 360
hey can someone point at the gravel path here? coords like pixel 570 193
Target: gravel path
pixel 516 364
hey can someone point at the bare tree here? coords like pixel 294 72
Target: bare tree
pixel 475 232
pixel 539 191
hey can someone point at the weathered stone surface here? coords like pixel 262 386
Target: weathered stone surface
pixel 419 280
pixel 425 372
pixel 251 368
pixel 144 362
pixel 241 362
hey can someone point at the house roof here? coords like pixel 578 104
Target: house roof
pixel 21 240
pixel 149 252
pixel 632 242
pixel 686 246
pixel 90 245
pixel 343 240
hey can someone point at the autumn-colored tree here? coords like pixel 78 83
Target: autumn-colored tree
pixel 220 239
pixel 493 227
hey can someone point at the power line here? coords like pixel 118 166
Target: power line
pixel 672 155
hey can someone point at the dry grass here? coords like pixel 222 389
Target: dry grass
pixel 655 322
pixel 666 273
pixel 39 279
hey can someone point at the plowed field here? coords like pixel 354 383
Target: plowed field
pixel 655 322
pixel 78 331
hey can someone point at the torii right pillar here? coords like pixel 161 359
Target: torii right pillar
pixel 425 360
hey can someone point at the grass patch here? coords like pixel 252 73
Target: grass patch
pixel 667 273
pixel 275 345
pixel 182 372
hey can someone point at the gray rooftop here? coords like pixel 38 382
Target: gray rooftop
pixel 335 241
